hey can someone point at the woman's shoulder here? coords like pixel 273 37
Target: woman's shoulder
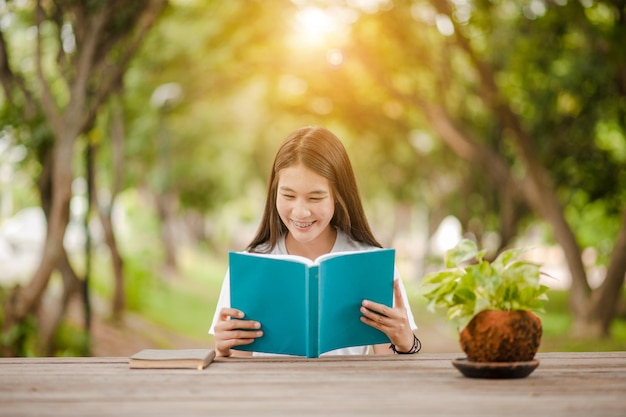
pixel 345 243
pixel 267 248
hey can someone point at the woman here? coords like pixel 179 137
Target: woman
pixel 313 207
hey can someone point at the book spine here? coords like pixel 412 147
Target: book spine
pixel 313 285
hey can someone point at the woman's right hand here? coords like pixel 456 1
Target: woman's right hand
pixel 230 333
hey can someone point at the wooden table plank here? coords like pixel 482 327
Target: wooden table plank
pixel 572 384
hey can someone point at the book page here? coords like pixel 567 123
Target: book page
pixel 304 259
pixel 331 255
pixel 171 354
pixel 171 358
pixel 286 257
pixel 346 281
pixel 273 292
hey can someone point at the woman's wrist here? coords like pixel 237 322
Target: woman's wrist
pixel 416 346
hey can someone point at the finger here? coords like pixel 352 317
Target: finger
pixel 243 342
pixel 375 317
pixel 228 339
pixel 236 324
pixel 373 306
pixel 379 309
pixel 245 325
pixel 246 335
pixel 398 300
pixel 224 346
pixel 377 323
pixel 227 312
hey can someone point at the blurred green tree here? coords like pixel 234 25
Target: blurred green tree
pixel 500 113
pixel 59 62
pixel 510 88
pixel 531 95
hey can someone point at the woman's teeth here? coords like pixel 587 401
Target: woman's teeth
pixel 298 224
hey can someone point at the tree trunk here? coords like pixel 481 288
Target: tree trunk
pixel 509 219
pixel 167 205
pixel 604 303
pixel 118 303
pixel 541 197
pixel 591 317
pixel 104 50
pixel 25 301
pixel 104 209
pixel 117 143
pixel 49 321
pixel 52 317
pixel 196 227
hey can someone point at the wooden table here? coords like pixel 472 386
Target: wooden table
pixel 564 384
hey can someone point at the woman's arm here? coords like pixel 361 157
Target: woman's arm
pixel 394 322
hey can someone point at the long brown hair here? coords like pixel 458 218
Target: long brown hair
pixel 322 152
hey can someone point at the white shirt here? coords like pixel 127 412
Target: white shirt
pixel 343 243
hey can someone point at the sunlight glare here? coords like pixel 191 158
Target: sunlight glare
pixel 447 235
pixel 335 57
pixel 444 25
pixel 315 24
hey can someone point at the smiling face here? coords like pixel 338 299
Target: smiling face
pixel 306 206
pixel 311 159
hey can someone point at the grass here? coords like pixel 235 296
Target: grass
pixel 184 305
pixel 557 320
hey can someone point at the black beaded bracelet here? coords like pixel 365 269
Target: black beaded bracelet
pixel 417 346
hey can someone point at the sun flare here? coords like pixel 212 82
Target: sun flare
pixel 315 25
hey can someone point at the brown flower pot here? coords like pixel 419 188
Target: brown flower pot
pixel 502 336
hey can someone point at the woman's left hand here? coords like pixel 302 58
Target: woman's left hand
pixel 394 322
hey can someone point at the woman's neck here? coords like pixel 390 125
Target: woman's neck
pixel 323 244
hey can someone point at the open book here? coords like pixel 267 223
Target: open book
pixel 172 358
pixel 306 307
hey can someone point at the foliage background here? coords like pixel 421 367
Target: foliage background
pixel 238 76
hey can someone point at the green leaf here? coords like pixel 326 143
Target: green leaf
pixel 429 288
pixel 508 283
pixel 507 256
pixel 464 251
pixel 440 277
pixel 464 295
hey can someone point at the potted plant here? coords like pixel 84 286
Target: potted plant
pixel 494 304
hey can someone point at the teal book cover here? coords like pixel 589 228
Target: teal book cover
pixel 306 307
